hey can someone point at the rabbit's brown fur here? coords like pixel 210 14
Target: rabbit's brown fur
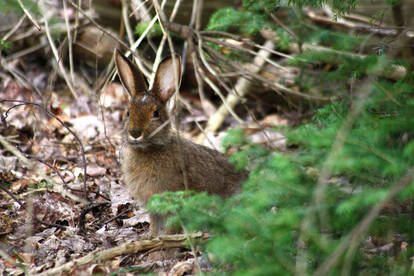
pixel 152 163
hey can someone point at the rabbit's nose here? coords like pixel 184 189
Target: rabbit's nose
pixel 135 133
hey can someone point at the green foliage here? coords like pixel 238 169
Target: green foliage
pixel 231 20
pixel 258 6
pixel 256 17
pixel 256 231
pixel 299 206
pixel 12 6
pixel 155 29
pixel 5 45
pixel 348 66
pixel 335 40
pixel 186 203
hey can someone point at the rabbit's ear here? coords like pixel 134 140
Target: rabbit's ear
pixel 131 78
pixel 164 83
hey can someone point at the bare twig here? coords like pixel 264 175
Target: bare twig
pixel 246 42
pixel 69 36
pixel 11 195
pixel 280 23
pixel 19 76
pixel 241 87
pixel 195 19
pixel 54 169
pixel 29 15
pixel 140 60
pixel 268 60
pixel 199 79
pixel 144 15
pixel 348 24
pixel 58 59
pixel 188 33
pixel 215 88
pixel 161 46
pixel 125 18
pixel 14 29
pixel 25 52
pixel 242 40
pixel 135 45
pixel 75 33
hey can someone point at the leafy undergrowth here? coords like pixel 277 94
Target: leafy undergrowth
pixel 44 221
pixel 340 201
pixel 331 196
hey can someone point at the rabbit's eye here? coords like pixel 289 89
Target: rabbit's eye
pixel 156 114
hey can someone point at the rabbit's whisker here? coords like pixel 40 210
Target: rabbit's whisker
pixel 158 129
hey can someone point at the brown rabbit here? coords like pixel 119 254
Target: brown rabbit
pixel 152 162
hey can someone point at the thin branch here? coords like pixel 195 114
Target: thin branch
pixel 11 195
pixel 240 39
pixel 241 87
pixel 69 35
pixel 15 28
pixel 268 60
pixel 75 33
pixel 131 50
pixel 280 23
pixel 25 52
pixel 199 80
pixel 162 43
pixel 215 88
pixel 143 12
pixel 125 18
pixel 54 169
pixel 58 59
pixel 29 15
pixel 348 24
pixel 187 33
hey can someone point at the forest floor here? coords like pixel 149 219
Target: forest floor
pixel 45 225
pixel 63 206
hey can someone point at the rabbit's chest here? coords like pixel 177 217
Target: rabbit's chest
pixel 148 175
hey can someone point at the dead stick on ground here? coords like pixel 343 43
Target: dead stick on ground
pixel 241 88
pixel 131 247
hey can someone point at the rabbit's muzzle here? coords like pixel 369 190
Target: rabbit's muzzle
pixel 146 137
pixel 135 136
